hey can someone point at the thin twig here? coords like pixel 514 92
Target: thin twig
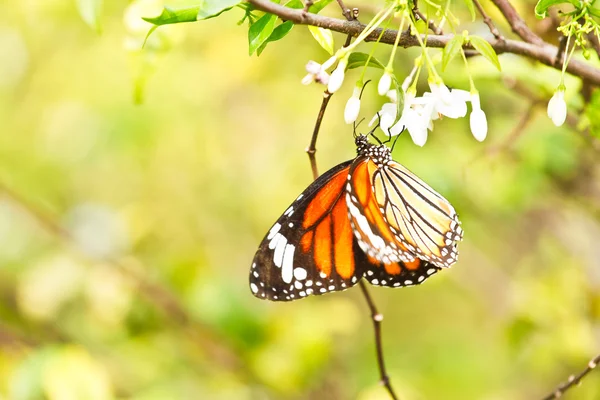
pixel 346 12
pixel 539 51
pixel 573 380
pixel 312 147
pixel 377 318
pixel 562 47
pixel 375 315
pixel 488 21
pixel 517 23
pixel 430 24
pixel 307 5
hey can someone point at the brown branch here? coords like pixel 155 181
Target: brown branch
pixel 573 380
pixel 377 318
pixel 488 21
pixel 516 23
pixel 346 12
pixel 312 147
pixel 562 47
pixel 430 23
pixel 542 52
pixel 375 315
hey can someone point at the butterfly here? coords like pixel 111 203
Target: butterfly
pixel 370 218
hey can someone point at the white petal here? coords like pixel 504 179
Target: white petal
pixel 313 67
pixel 352 109
pixel 396 129
pixel 441 92
pixel 418 134
pixel 308 79
pixel 455 109
pixel 462 95
pixel 416 124
pixel 392 95
pixel 336 79
pixel 384 84
pixel 322 78
pixel 387 115
pixel 478 122
pixel 557 108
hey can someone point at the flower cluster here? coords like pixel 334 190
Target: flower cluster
pixel 418 112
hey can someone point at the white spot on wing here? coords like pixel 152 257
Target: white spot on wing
pixel 254 288
pixel 300 273
pixel 274 240
pixel 273 231
pixel 287 270
pixel 279 249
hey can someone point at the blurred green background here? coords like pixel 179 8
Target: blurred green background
pixel 127 230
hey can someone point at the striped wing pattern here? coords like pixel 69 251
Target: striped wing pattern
pixel 366 218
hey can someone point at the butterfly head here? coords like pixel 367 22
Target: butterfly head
pixel 381 154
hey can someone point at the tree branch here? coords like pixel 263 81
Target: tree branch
pixel 516 23
pixel 573 380
pixel 376 317
pixel 488 21
pixel 430 24
pixel 539 51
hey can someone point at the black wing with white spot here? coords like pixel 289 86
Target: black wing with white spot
pixel 310 249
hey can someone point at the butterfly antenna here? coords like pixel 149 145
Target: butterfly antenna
pixel 372 131
pixel 395 140
pixel 363 89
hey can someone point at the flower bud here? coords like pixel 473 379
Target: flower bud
pixel 384 84
pixel 337 76
pixel 557 107
pixel 352 107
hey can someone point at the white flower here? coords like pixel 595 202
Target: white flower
pixel 384 83
pixel 316 73
pixel 557 107
pixel 416 118
pixel 337 76
pixel 386 117
pixel 352 106
pixel 478 120
pixel 452 104
pixel 393 96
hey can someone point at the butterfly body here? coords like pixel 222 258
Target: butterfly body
pixel 368 217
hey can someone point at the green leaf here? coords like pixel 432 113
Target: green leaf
pixel 278 33
pixel 541 8
pixel 471 8
pixel 486 50
pixel 90 11
pixel 171 16
pixel 260 31
pixel 213 8
pixel 323 36
pixel 358 59
pixel 453 47
pixel 294 4
pixel 208 9
pixel 318 6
